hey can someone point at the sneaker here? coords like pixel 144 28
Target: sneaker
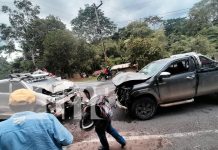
pixel 123 145
pixel 102 148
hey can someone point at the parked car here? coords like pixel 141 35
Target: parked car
pixel 54 95
pixel 166 82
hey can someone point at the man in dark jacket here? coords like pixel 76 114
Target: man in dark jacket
pixel 103 124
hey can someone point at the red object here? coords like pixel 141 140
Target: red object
pixel 106 71
pixel 96 73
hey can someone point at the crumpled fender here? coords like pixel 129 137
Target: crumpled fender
pixel 124 77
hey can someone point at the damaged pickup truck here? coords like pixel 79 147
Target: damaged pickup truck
pixel 53 94
pixel 166 82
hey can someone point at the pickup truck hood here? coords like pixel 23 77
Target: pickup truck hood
pixel 129 76
pixel 54 85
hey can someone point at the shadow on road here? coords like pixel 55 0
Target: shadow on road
pixel 204 104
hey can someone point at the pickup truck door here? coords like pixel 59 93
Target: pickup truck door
pixel 4 98
pixel 181 84
pixel 208 77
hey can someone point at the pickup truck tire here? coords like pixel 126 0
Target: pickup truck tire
pixel 144 108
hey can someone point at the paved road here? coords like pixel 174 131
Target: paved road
pixel 189 126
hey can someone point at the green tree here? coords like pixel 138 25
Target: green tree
pixel 203 14
pixel 176 26
pixel 199 44
pixel 211 33
pixel 35 35
pixel 138 43
pixel 145 50
pixel 179 44
pixel 83 57
pixel 135 29
pixel 85 24
pixel 58 54
pixel 65 55
pixel 22 65
pixel 20 16
pixel 4 68
pixel 154 21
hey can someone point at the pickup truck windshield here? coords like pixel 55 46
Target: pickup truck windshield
pixel 153 67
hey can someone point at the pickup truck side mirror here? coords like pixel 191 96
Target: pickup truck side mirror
pixel 165 75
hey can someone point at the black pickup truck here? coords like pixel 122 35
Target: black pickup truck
pixel 166 82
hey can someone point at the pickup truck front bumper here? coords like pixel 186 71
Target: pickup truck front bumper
pixel 120 105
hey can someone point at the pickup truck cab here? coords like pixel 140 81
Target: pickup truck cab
pixel 166 82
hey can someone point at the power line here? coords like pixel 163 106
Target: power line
pixel 46 5
pixel 6 3
pixel 179 11
pixel 138 4
pixel 99 30
pixel 132 6
pixel 175 11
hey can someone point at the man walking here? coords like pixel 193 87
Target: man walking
pixel 103 124
pixel 27 130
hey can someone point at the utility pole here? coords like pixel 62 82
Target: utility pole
pixel 96 13
pixel 99 30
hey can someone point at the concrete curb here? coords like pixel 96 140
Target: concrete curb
pixel 148 137
pixel 151 142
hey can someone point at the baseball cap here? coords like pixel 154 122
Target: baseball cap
pixel 22 96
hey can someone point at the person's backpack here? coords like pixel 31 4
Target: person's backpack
pixel 104 108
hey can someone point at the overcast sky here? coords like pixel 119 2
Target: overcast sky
pixel 119 11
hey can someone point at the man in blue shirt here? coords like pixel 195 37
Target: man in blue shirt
pixel 27 130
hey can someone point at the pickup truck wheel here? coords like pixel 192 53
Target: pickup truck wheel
pixel 144 108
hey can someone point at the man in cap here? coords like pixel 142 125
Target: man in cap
pixel 27 130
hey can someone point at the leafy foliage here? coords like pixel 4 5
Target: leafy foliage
pixel 203 14
pixel 85 24
pixel 176 26
pixel 19 19
pixel 211 33
pixel 135 29
pixel 144 50
pixel 35 35
pixel 46 43
pixel 154 21
pixel 4 68
pixel 58 51
pixel 199 44
pixel 65 54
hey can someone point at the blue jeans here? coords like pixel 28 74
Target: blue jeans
pixel 103 125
